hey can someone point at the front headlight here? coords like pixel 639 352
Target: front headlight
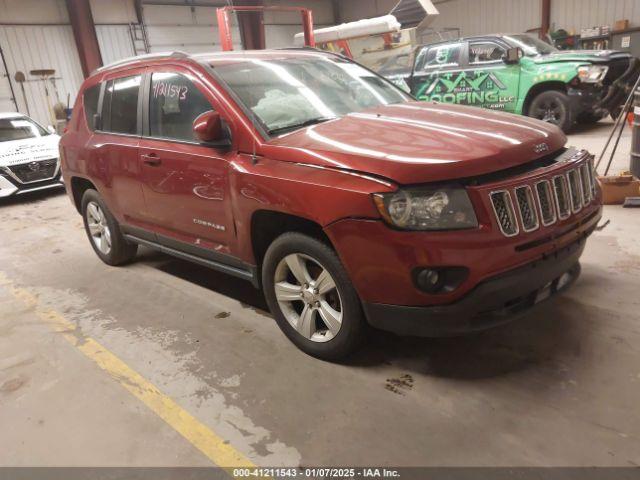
pixel 592 73
pixel 446 208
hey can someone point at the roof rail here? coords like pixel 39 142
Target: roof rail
pixel 148 56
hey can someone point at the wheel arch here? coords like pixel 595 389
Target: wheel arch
pixel 267 225
pixel 79 185
pixel 540 88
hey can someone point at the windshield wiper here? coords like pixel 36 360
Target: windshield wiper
pixel 306 123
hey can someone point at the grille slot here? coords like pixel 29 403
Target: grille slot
pixel 545 202
pixel 592 178
pixel 527 208
pixel 561 192
pixel 35 171
pixel 505 214
pixel 575 190
pixel 586 184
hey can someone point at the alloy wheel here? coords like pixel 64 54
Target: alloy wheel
pixel 549 111
pixel 308 297
pixel 98 228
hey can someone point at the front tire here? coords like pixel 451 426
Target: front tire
pixel 104 232
pixel 553 106
pixel 311 297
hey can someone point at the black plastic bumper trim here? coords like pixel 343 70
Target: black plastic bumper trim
pixel 491 303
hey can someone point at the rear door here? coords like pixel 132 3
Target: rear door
pixel 112 150
pixel 437 71
pixel 185 183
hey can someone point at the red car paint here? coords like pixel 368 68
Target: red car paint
pixel 327 174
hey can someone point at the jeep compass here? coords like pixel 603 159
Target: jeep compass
pixel 346 200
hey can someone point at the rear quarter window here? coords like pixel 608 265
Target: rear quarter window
pixel 90 102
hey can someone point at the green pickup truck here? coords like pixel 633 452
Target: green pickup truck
pixel 518 74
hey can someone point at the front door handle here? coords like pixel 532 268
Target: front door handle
pixel 151 159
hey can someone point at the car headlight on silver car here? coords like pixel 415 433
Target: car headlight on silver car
pixel 592 73
pixel 445 208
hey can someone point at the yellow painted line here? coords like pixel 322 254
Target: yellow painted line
pixel 199 435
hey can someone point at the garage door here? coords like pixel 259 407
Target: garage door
pixel 27 48
pixel 190 29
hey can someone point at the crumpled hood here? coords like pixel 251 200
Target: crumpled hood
pixel 28 150
pixel 591 56
pixel 420 142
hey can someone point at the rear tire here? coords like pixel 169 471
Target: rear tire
pixel 104 232
pixel 553 106
pixel 311 297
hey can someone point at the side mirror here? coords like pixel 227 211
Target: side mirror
pixel 513 55
pixel 207 128
pixel 51 129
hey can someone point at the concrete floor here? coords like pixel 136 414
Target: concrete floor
pixel 560 386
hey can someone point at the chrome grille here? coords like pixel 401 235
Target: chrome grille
pixel 586 184
pixel 561 192
pixel 545 202
pixel 575 190
pixel 503 208
pixel 527 208
pixel 34 171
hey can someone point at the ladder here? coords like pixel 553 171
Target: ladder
pixel 139 38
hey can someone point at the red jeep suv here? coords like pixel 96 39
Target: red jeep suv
pixel 348 202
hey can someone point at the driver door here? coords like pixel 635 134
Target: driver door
pixel 185 183
pixel 494 83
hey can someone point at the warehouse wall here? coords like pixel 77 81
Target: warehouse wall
pixel 352 10
pixel 573 15
pixel 475 17
pixel 35 34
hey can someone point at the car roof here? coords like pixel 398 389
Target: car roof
pixel 213 58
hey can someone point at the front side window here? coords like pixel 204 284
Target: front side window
pixel 292 92
pixel 484 52
pixel 531 46
pixel 20 128
pixel 120 105
pixel 90 100
pixel 174 103
pixel 441 56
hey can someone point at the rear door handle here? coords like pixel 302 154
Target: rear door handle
pixel 151 159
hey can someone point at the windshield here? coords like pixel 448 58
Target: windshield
pixel 531 46
pixel 290 93
pixel 19 128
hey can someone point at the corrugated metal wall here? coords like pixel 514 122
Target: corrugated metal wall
pixel 6 95
pixel 573 15
pixel 30 47
pixel 115 42
pixel 474 17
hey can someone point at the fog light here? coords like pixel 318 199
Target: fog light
pixel 428 280
pixel 439 280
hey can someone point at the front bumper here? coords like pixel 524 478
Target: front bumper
pixel 8 188
pixel 492 302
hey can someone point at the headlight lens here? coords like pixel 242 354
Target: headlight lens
pixel 427 209
pixel 592 73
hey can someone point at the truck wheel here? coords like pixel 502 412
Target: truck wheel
pixel 311 297
pixel 103 231
pixel 554 107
